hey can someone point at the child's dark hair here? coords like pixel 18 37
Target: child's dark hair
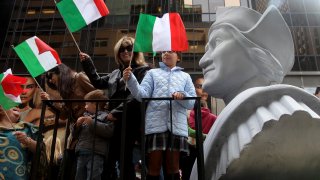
pixel 317 90
pixel 179 54
pixel 197 77
pixel 97 95
pixel 203 103
pixel 66 80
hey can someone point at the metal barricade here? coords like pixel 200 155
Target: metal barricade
pixel 49 103
pixel 199 141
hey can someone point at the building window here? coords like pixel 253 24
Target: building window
pixel 100 43
pixel 48 11
pixel 31 12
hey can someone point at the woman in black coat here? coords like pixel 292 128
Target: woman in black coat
pixel 116 87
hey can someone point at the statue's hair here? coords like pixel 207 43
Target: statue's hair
pixel 268 37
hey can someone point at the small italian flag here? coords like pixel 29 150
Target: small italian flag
pixel 160 34
pixel 10 89
pixel 79 13
pixel 37 56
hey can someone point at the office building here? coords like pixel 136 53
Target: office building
pixel 41 18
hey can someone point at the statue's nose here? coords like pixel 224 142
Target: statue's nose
pixel 204 62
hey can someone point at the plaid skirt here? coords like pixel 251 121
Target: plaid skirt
pixel 162 141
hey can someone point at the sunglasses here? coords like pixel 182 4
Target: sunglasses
pixel 49 75
pixel 123 49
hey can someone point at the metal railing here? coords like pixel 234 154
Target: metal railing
pixel 49 103
pixel 199 140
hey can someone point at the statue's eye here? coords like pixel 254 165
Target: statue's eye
pixel 218 41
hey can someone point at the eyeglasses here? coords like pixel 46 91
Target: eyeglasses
pixel 123 49
pixel 198 86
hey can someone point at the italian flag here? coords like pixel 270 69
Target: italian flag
pixel 10 89
pixel 37 56
pixel 79 13
pixel 160 34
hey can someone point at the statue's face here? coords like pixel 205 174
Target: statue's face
pixel 226 64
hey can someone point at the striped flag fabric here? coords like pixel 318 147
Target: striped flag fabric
pixel 80 13
pixel 37 56
pixel 10 89
pixel 160 34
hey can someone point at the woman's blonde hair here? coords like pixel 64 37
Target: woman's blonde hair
pixel 138 58
pixel 57 149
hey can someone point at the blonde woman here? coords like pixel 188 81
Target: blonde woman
pixel 123 52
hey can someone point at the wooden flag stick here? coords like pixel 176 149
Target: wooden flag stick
pixel 132 55
pixel 38 85
pixel 15 130
pixel 153 55
pixel 74 40
pixel 9 120
pixel 125 88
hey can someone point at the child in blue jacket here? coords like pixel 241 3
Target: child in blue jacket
pixel 167 81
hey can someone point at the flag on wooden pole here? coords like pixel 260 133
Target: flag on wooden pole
pixel 160 34
pixel 37 56
pixel 10 89
pixel 79 13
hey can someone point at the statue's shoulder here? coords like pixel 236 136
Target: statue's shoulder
pixel 248 102
pixel 251 113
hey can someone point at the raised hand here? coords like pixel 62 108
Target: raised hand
pixel 127 73
pixel 44 96
pixel 83 56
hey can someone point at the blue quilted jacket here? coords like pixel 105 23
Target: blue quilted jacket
pixel 163 82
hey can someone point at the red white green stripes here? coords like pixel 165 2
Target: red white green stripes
pixel 10 89
pixel 79 13
pixel 37 56
pixel 160 34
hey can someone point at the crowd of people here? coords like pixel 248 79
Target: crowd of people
pixel 88 141
pixel 92 131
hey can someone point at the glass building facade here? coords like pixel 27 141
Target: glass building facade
pixel 303 18
pixel 41 18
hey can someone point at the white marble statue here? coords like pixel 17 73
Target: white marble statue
pixel 267 130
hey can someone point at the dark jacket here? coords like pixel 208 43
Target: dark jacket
pixel 85 134
pixel 116 90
